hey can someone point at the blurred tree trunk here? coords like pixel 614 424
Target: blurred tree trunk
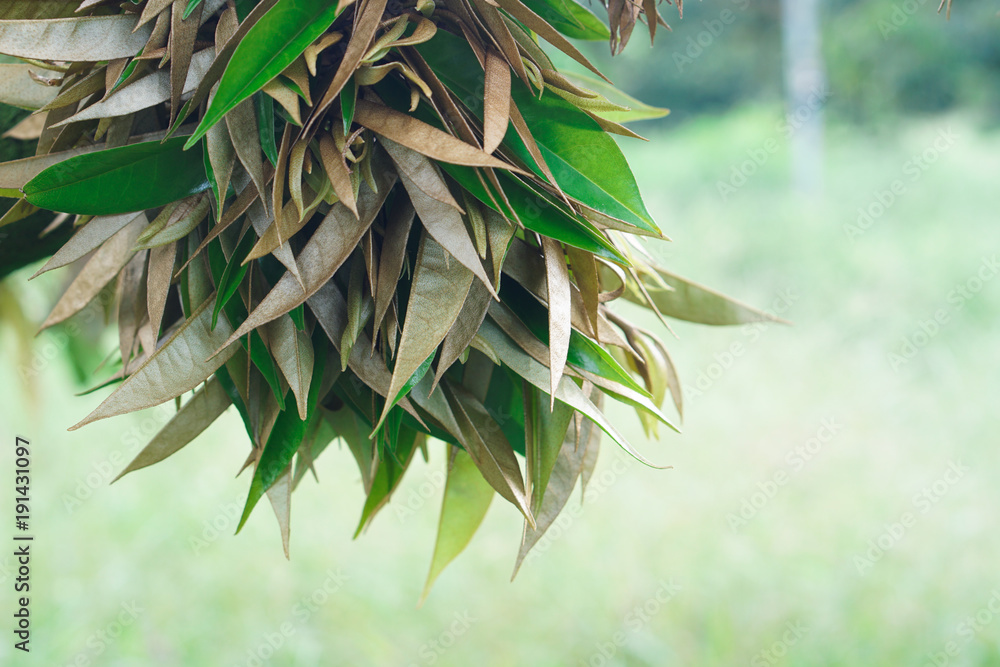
pixel 805 91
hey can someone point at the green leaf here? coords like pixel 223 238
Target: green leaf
pixel 348 98
pixel 546 430
pixel 270 46
pixel 467 497
pixel 236 312
pixel 387 476
pixel 537 374
pixel 213 183
pixel 585 160
pixel 192 4
pixel 415 379
pixel 243 8
pixel 583 352
pixel 696 303
pixel 226 380
pixel 298 315
pixel 285 438
pixel 265 124
pixel 117 180
pixel 637 110
pixel 538 212
pixel 571 19
pixel 126 73
pixel 233 274
pixel 505 403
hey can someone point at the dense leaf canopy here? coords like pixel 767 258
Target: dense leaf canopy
pixel 374 221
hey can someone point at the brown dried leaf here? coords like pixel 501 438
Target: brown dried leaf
pixel 436 298
pixel 158 277
pixel 330 308
pixel 178 366
pixel 397 231
pixel 182 37
pixel 293 352
pixel 78 39
pixel 421 172
pixel 536 23
pixel 131 306
pixel 464 330
pixel 331 244
pixel 489 450
pixel 365 25
pixel 89 237
pixel 286 97
pixel 443 222
pixel 566 471
pixel 200 411
pixel 242 124
pixel 337 172
pixel 559 305
pixel 280 496
pixel 585 275
pixel 103 265
pixel 423 138
pixel 496 101
pixel 19 89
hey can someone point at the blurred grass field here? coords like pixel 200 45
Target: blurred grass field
pixel 812 431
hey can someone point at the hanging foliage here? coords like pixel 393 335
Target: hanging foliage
pixel 387 223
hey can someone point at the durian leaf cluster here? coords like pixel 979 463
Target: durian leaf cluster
pixel 393 224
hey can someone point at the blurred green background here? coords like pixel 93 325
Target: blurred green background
pixel 829 503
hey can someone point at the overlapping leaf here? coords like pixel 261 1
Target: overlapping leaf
pixel 448 204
